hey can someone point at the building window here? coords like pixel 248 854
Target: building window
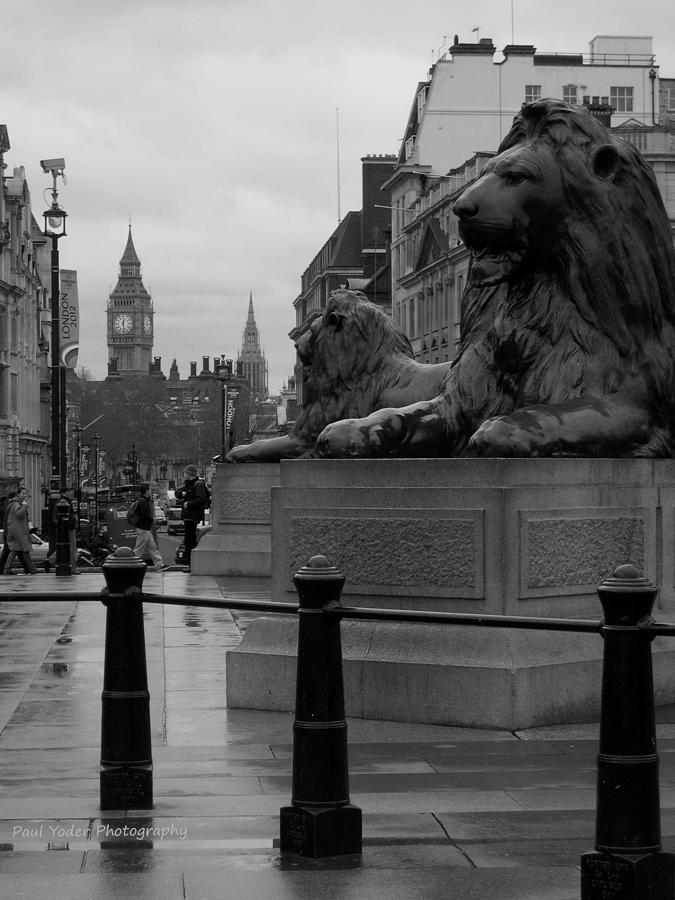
pixel 570 94
pixel 532 92
pixel 4 376
pixel 669 97
pixel 14 394
pixel 14 334
pixel 457 312
pixel 421 100
pixel 621 98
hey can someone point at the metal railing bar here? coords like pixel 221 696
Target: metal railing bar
pixel 476 619
pixel 373 614
pixel 664 629
pixel 52 597
pixel 271 606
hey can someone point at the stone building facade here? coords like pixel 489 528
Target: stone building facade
pixel 356 255
pixel 24 339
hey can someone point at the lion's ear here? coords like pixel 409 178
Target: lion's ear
pixel 334 320
pixel 606 162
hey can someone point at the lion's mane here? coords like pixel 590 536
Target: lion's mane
pixel 350 352
pixel 606 302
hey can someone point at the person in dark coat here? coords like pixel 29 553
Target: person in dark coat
pixel 195 498
pixel 146 546
pixel 18 531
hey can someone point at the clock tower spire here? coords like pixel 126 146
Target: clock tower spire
pixel 129 318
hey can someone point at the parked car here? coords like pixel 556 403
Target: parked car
pixel 174 523
pixel 180 558
pixel 160 517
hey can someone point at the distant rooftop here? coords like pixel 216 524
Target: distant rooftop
pixel 603 50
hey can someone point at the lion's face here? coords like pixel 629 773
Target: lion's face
pixel 324 333
pixel 510 215
pixel 349 338
pixel 306 341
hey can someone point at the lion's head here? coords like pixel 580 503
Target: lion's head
pixel 567 203
pixel 342 350
pixel 511 217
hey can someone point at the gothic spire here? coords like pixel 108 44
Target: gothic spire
pixel 130 257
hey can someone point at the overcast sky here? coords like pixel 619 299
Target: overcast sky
pixel 213 124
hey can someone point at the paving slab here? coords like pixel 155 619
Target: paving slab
pixel 436 883
pixel 48 886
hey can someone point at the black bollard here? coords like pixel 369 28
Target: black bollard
pixel 63 554
pixel 321 821
pixel 628 863
pixel 126 748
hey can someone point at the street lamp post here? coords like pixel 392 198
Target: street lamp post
pixel 55 228
pixel 223 372
pixel 95 440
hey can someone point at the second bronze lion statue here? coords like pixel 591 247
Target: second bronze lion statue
pixel 355 360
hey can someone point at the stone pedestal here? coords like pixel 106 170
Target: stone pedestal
pixel 518 537
pixel 240 541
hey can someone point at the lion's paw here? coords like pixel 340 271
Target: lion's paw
pixel 347 438
pixel 238 454
pixel 502 437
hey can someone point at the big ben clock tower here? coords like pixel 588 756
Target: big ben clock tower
pixel 130 318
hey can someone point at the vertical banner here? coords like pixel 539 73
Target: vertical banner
pixel 232 396
pixel 101 474
pixel 84 461
pixel 69 318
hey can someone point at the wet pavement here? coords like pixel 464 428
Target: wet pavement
pixel 447 812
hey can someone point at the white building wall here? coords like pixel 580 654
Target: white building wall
pixel 472 99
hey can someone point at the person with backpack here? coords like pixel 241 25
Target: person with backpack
pixel 196 499
pixel 142 516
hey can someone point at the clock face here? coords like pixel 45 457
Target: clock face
pixel 147 324
pixel 123 324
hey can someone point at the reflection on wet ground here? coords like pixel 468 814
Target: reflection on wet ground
pixel 221 777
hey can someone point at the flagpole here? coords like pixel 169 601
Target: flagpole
pixel 337 140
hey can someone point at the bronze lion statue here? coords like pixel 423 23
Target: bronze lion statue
pixel 568 334
pixel 355 360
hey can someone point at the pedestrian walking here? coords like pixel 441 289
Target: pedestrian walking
pixel 18 531
pixel 142 515
pixel 196 499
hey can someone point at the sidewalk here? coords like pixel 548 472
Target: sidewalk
pixel 447 812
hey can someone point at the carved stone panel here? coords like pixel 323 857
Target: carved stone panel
pixel 574 550
pixel 425 553
pixel 244 506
